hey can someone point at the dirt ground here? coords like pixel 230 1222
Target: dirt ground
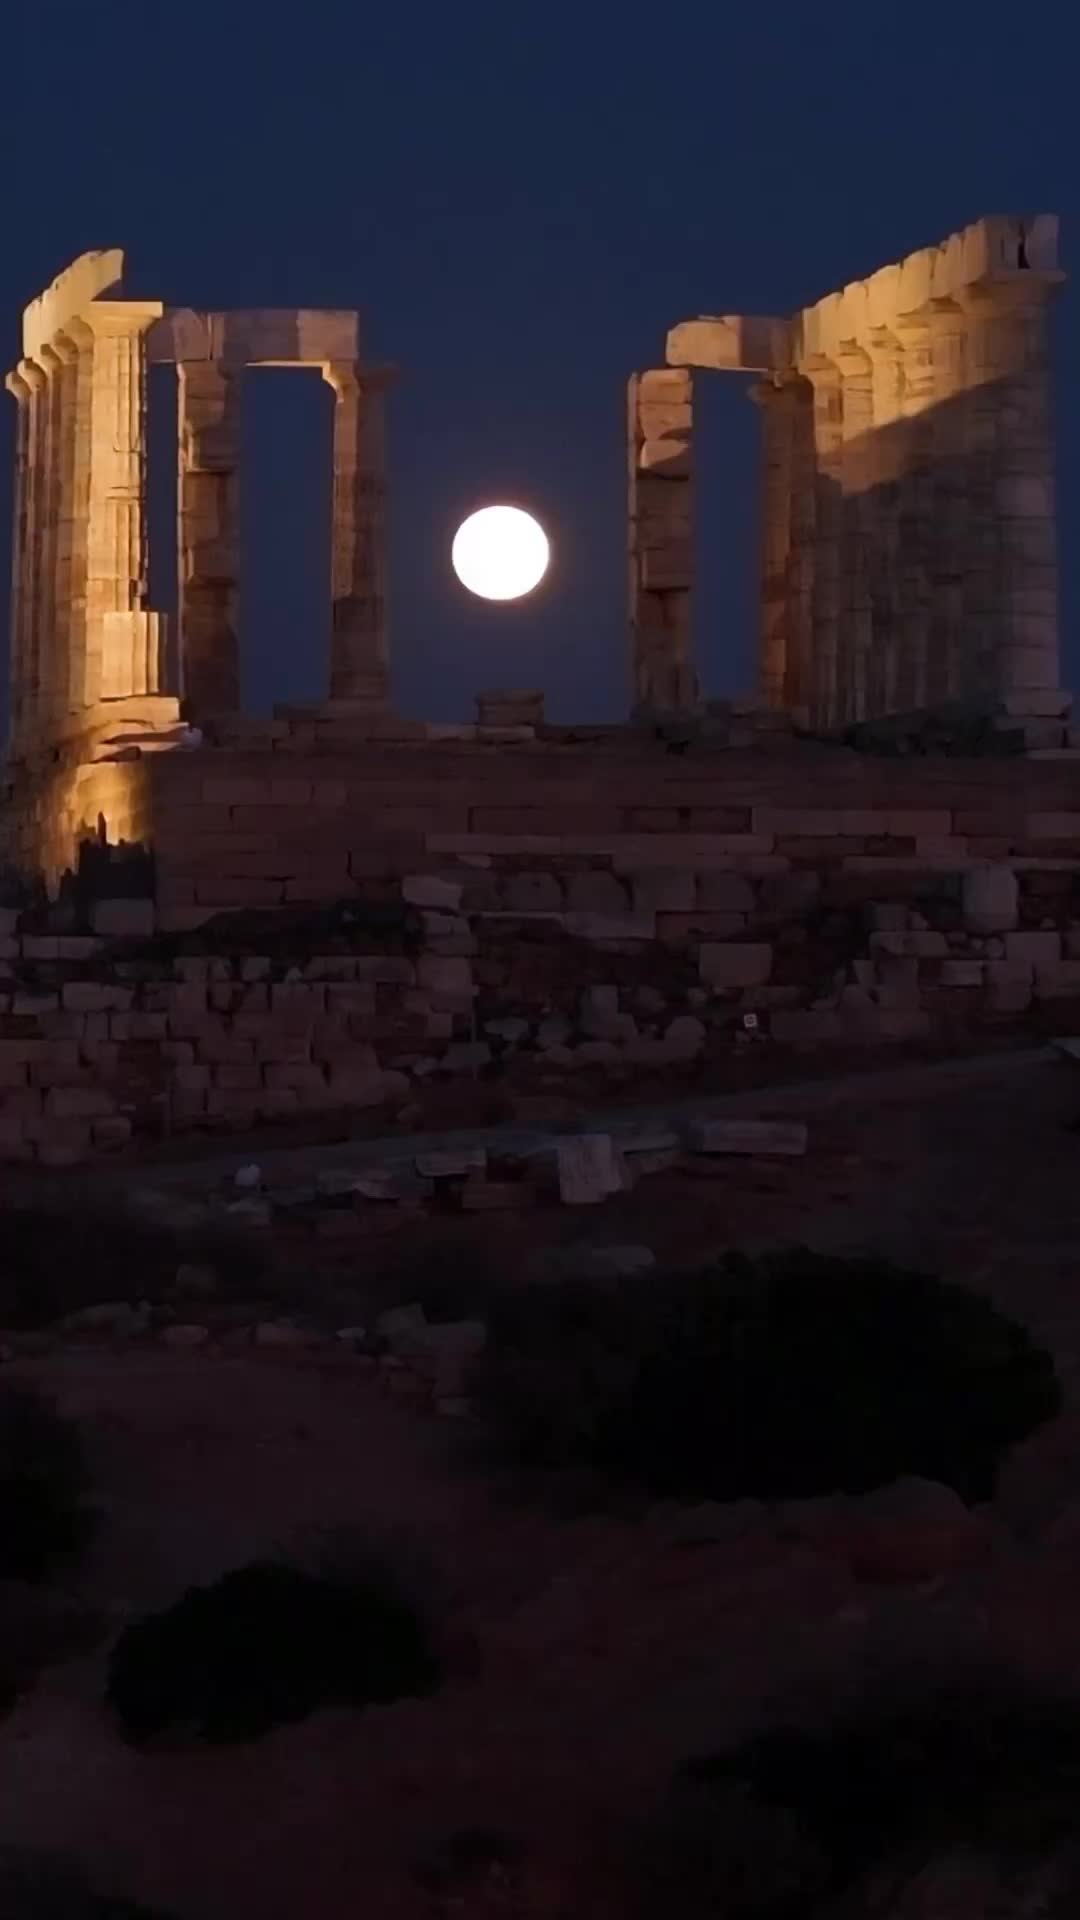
pixel 589 1651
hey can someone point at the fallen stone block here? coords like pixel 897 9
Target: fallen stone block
pixel 785 1139
pixel 451 1164
pixel 427 890
pixel 589 1169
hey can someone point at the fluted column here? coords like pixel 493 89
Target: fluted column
pixel 19 388
pixel 954 669
pixel 208 452
pixel 124 639
pixel 825 379
pixel 359 655
pixel 799 671
pixel 659 443
pixel 777 402
pixel 34 376
pixel 53 611
pixel 916 509
pixel 857 533
pixel 1009 378
pixel 886 461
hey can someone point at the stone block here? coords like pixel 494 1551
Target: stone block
pixel 784 1139
pixel 724 893
pixel 124 919
pixel 990 899
pixel 533 893
pixel 428 890
pixel 684 1038
pixel 963 973
pixel 451 1163
pixel 596 891
pixel 914 946
pixel 735 964
pixel 1031 950
pixel 599 927
pixel 660 890
pixel 449 976
pixel 589 1169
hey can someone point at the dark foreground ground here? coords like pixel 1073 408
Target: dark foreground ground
pixel 590 1651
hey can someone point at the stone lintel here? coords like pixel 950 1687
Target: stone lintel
pixel 731 342
pixel 284 337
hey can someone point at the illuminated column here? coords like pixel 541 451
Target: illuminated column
pixel 660 425
pixel 777 400
pixel 916 509
pixel 953 668
pixel 53 612
pixel 124 639
pixel 803 563
pixel 857 533
pixel 1013 450
pixel 208 449
pixel 20 390
pixel 34 537
pixel 886 461
pixel 359 655
pixel 825 379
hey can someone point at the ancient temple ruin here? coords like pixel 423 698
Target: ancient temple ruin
pixel 85 641
pixel 909 552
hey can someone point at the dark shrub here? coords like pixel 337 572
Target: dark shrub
pixel 267 1644
pixel 55 1262
pixel 37 1886
pixel 789 1375
pixel 788 1823
pixel 42 1483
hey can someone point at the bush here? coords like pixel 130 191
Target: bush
pixel 267 1644
pixel 37 1886
pixel 777 1378
pixel 55 1262
pixel 42 1484
pixel 789 1823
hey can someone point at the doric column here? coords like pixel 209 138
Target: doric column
pixel 208 451
pixel 76 347
pixel 916 509
pixel 53 612
pixel 19 388
pixel 1011 430
pixel 359 656
pixel 124 639
pixel 34 547
pixel 800 661
pixel 69 580
pixel 825 379
pixel 777 401
pixel 952 670
pixel 886 460
pixel 857 532
pixel 660 425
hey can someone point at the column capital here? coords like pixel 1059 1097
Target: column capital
pixel 121 319
pixel 18 385
pixel 351 376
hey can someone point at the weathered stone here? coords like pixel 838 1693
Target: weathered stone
pixel 427 890
pixel 533 893
pixel 124 919
pixel 451 1163
pixel 596 892
pixel 588 1169
pixel 783 1138
pixel 990 899
pixel 734 964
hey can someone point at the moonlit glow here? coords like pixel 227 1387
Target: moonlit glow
pixel 500 553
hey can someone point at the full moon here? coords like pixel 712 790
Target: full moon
pixel 500 553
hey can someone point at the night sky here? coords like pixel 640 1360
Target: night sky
pixel 520 200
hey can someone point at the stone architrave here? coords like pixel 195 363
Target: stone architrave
pixel 208 454
pixel 359 658
pixel 660 428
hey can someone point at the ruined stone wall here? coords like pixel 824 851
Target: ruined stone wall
pixel 909 543
pixel 534 920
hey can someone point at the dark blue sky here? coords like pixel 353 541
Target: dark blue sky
pixel 520 199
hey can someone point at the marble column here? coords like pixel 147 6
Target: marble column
pixel 124 639
pixel 857 533
pixel 886 466
pixel 208 452
pixel 916 510
pixel 826 381
pixel 776 400
pixel 359 654
pixel 660 429
pixel 53 611
pixel 802 569
pixel 1013 449
pixel 953 668
pixel 34 376
pixel 19 388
